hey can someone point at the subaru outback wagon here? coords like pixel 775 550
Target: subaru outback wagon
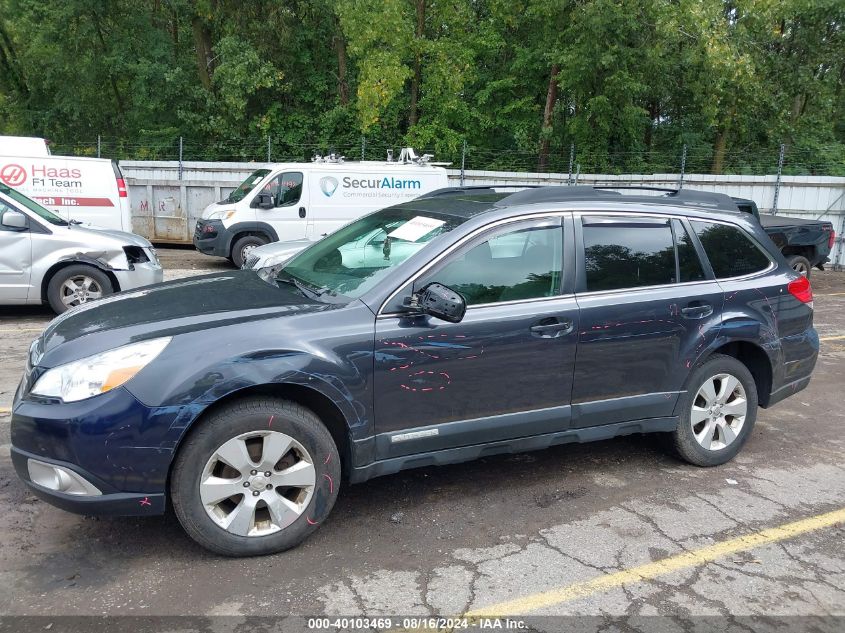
pixel 462 324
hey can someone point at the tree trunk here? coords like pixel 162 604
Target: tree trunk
pixel 721 142
pixel 202 44
pixel 342 83
pixel 548 112
pixel 653 115
pixel 413 115
pixel 112 80
pixel 9 64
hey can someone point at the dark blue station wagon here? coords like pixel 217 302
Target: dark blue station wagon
pixel 464 323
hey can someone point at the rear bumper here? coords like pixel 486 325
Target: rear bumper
pixel 110 503
pixel 801 353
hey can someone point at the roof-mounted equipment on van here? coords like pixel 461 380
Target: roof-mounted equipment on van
pixel 407 156
pixel 330 158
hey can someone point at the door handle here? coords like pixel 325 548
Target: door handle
pixel 552 327
pixel 302 212
pixel 697 311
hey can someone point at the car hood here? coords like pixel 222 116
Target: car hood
pixel 90 235
pixel 169 309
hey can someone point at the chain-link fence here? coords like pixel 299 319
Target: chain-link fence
pixel 791 160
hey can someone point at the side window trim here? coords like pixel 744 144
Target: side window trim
pixel 580 281
pixel 709 274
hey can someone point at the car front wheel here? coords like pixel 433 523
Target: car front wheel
pixel 77 284
pixel 719 410
pixel 256 477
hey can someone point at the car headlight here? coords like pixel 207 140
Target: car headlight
pixel 222 214
pixel 98 373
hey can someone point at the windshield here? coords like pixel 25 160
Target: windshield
pixel 32 205
pixel 247 185
pixel 352 260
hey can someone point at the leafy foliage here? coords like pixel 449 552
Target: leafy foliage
pixel 627 82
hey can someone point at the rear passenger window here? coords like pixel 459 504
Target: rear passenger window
pixel 730 251
pixel 623 254
pixel 689 265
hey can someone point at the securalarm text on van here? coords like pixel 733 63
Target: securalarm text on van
pixel 386 182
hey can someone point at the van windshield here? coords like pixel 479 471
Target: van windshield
pixel 32 205
pixel 355 258
pixel 247 185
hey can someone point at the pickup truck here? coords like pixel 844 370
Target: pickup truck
pixel 805 243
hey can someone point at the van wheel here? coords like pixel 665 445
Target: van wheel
pixel 800 264
pixel 74 285
pixel 719 410
pixel 257 477
pixel 242 247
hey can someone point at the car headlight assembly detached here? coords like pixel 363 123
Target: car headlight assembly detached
pixel 99 373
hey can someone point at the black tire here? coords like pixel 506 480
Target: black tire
pixel 243 244
pixel 683 440
pixel 56 291
pixel 230 421
pixel 800 264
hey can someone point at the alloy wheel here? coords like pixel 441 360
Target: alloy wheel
pixel 257 483
pixel 80 289
pixel 718 412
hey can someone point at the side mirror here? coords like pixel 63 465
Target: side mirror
pixel 264 201
pixel 439 301
pixel 14 220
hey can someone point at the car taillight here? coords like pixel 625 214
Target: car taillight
pixel 831 238
pixel 801 290
pixel 121 188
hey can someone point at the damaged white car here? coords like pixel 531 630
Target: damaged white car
pixel 47 259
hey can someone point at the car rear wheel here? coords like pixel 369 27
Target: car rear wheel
pixel 74 285
pixel 257 477
pixel 243 246
pixel 719 410
pixel 800 265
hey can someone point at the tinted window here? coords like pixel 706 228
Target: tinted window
pixel 688 262
pixel 628 255
pixel 730 251
pixel 520 264
pixel 285 188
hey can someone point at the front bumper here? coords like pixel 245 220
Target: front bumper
pixel 145 274
pixel 110 503
pixel 121 447
pixel 212 238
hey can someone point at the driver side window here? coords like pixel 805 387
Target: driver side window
pixel 513 265
pixel 286 188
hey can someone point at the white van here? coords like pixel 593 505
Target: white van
pixel 90 190
pixel 294 201
pixel 23 146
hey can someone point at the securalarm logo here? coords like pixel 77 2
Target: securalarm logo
pixel 328 185
pixel 13 175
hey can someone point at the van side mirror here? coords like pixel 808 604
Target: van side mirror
pixel 264 201
pixel 438 301
pixel 14 220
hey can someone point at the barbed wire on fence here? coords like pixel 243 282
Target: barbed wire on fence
pixel 825 161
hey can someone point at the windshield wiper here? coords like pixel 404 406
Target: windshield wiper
pixel 302 287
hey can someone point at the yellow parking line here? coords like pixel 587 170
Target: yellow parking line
pixel 686 560
pixel 832 338
pixel 5 410
pixel 831 294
